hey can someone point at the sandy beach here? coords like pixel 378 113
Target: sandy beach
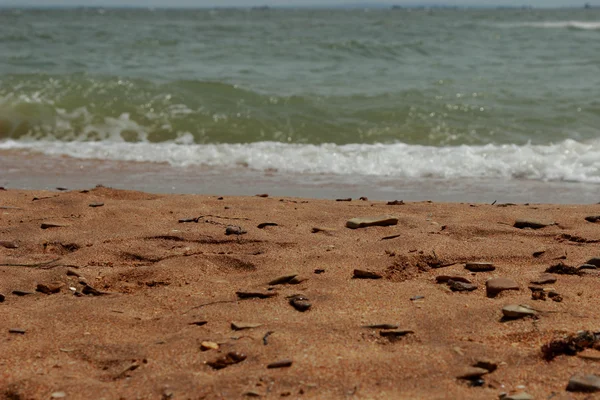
pixel 114 294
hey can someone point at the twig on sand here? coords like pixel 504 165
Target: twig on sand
pixel 36 265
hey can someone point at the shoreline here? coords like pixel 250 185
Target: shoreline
pixel 34 171
pixel 157 301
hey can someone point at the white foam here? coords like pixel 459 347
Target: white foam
pixel 584 25
pixel 565 161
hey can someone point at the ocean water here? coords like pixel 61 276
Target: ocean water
pixel 366 98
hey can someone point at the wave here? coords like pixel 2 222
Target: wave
pixel 568 160
pixel 576 25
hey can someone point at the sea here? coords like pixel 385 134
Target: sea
pixel 465 105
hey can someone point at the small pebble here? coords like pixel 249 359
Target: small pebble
pixel 518 396
pixel 362 274
pixel 17 331
pixel 48 225
pixel 300 303
pixel 2 297
pixel 532 224
pixel 205 346
pixel 461 286
pixel 255 294
pixel 383 220
pixel 58 395
pixel 381 326
pixel 283 279
pixel 49 288
pixel 234 230
pixel 584 383
pixel 21 293
pixel 9 244
pixel 280 364
pixel 514 311
pixel 480 266
pixel 230 358
pixel 238 326
pixel 94 205
pixel 543 279
pixel 418 297
pixel 496 285
pixel 447 278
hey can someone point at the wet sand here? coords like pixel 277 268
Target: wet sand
pixel 139 292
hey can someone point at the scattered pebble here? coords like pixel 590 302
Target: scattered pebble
pixel 544 279
pixel 472 373
pixel 363 198
pixel 49 288
pixel 199 323
pixel 391 237
pixel 17 331
pixel 584 383
pixel 514 311
pixel 205 346
pixel 87 289
pixel 346 199
pixel 283 279
pixel 280 364
pixel 517 396
pixel 563 269
pixel 555 296
pixel 594 261
pixel 447 278
pixel 587 266
pixel 319 271
pixel 94 205
pixel 47 225
pixel 300 302
pixel 570 344
pixel 395 203
pixel 70 272
pixel 317 229
pixel 395 333
pixel 593 218
pixel 480 266
pixel 21 293
pixel 58 395
pixel 418 297
pixel 461 286
pixel 533 224
pixel 255 294
pixel 9 244
pixel 234 230
pixel 537 254
pixel 230 358
pixel 496 285
pixel 486 364
pixel 381 326
pixel 590 355
pixel 239 326
pixel 362 274
pixel 265 224
pixel 363 222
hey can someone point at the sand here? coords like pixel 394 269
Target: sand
pixel 164 287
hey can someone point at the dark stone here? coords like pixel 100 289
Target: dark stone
pixel 395 203
pixel 2 297
pixel 265 224
pixel 234 230
pixel 523 223
pixel 480 266
pixel 21 293
pixel 225 361
pixel 570 344
pixel 395 334
pixel 300 303
pixel 9 244
pixel 256 294
pixel 448 278
pixel 584 383
pixel 362 274
pixel 87 289
pixel 49 288
pixel 280 364
pixel 496 285
pixel 381 326
pixel 94 205
pixel 543 279
pixel 563 269
pixel 461 286
pixel 17 331
pixel 593 218
pixel 594 261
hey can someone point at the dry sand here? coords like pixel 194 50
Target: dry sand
pixel 160 277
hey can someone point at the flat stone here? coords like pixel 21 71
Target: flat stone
pixel 461 286
pixel 587 266
pixel 563 269
pixel 480 266
pixel 544 279
pixel 58 395
pixel 280 364
pixel 491 366
pixel 283 279
pixel 48 225
pixel 533 224
pixel 515 311
pixel 518 396
pixel 593 218
pixel 362 274
pixel 255 294
pixel 590 355
pixel 50 288
pixel 265 224
pixel 205 346
pixel 94 205
pixel 381 326
pixel 87 289
pixel 455 278
pixel 234 230
pixel 397 333
pixel 17 331
pixel 9 244
pixel 496 285
pixel 233 357
pixel 363 222
pixel 22 293
pixel 594 261
pixel 300 303
pixel 584 383
pixel 472 373
pixel 239 326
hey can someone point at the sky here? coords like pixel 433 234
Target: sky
pixel 248 3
